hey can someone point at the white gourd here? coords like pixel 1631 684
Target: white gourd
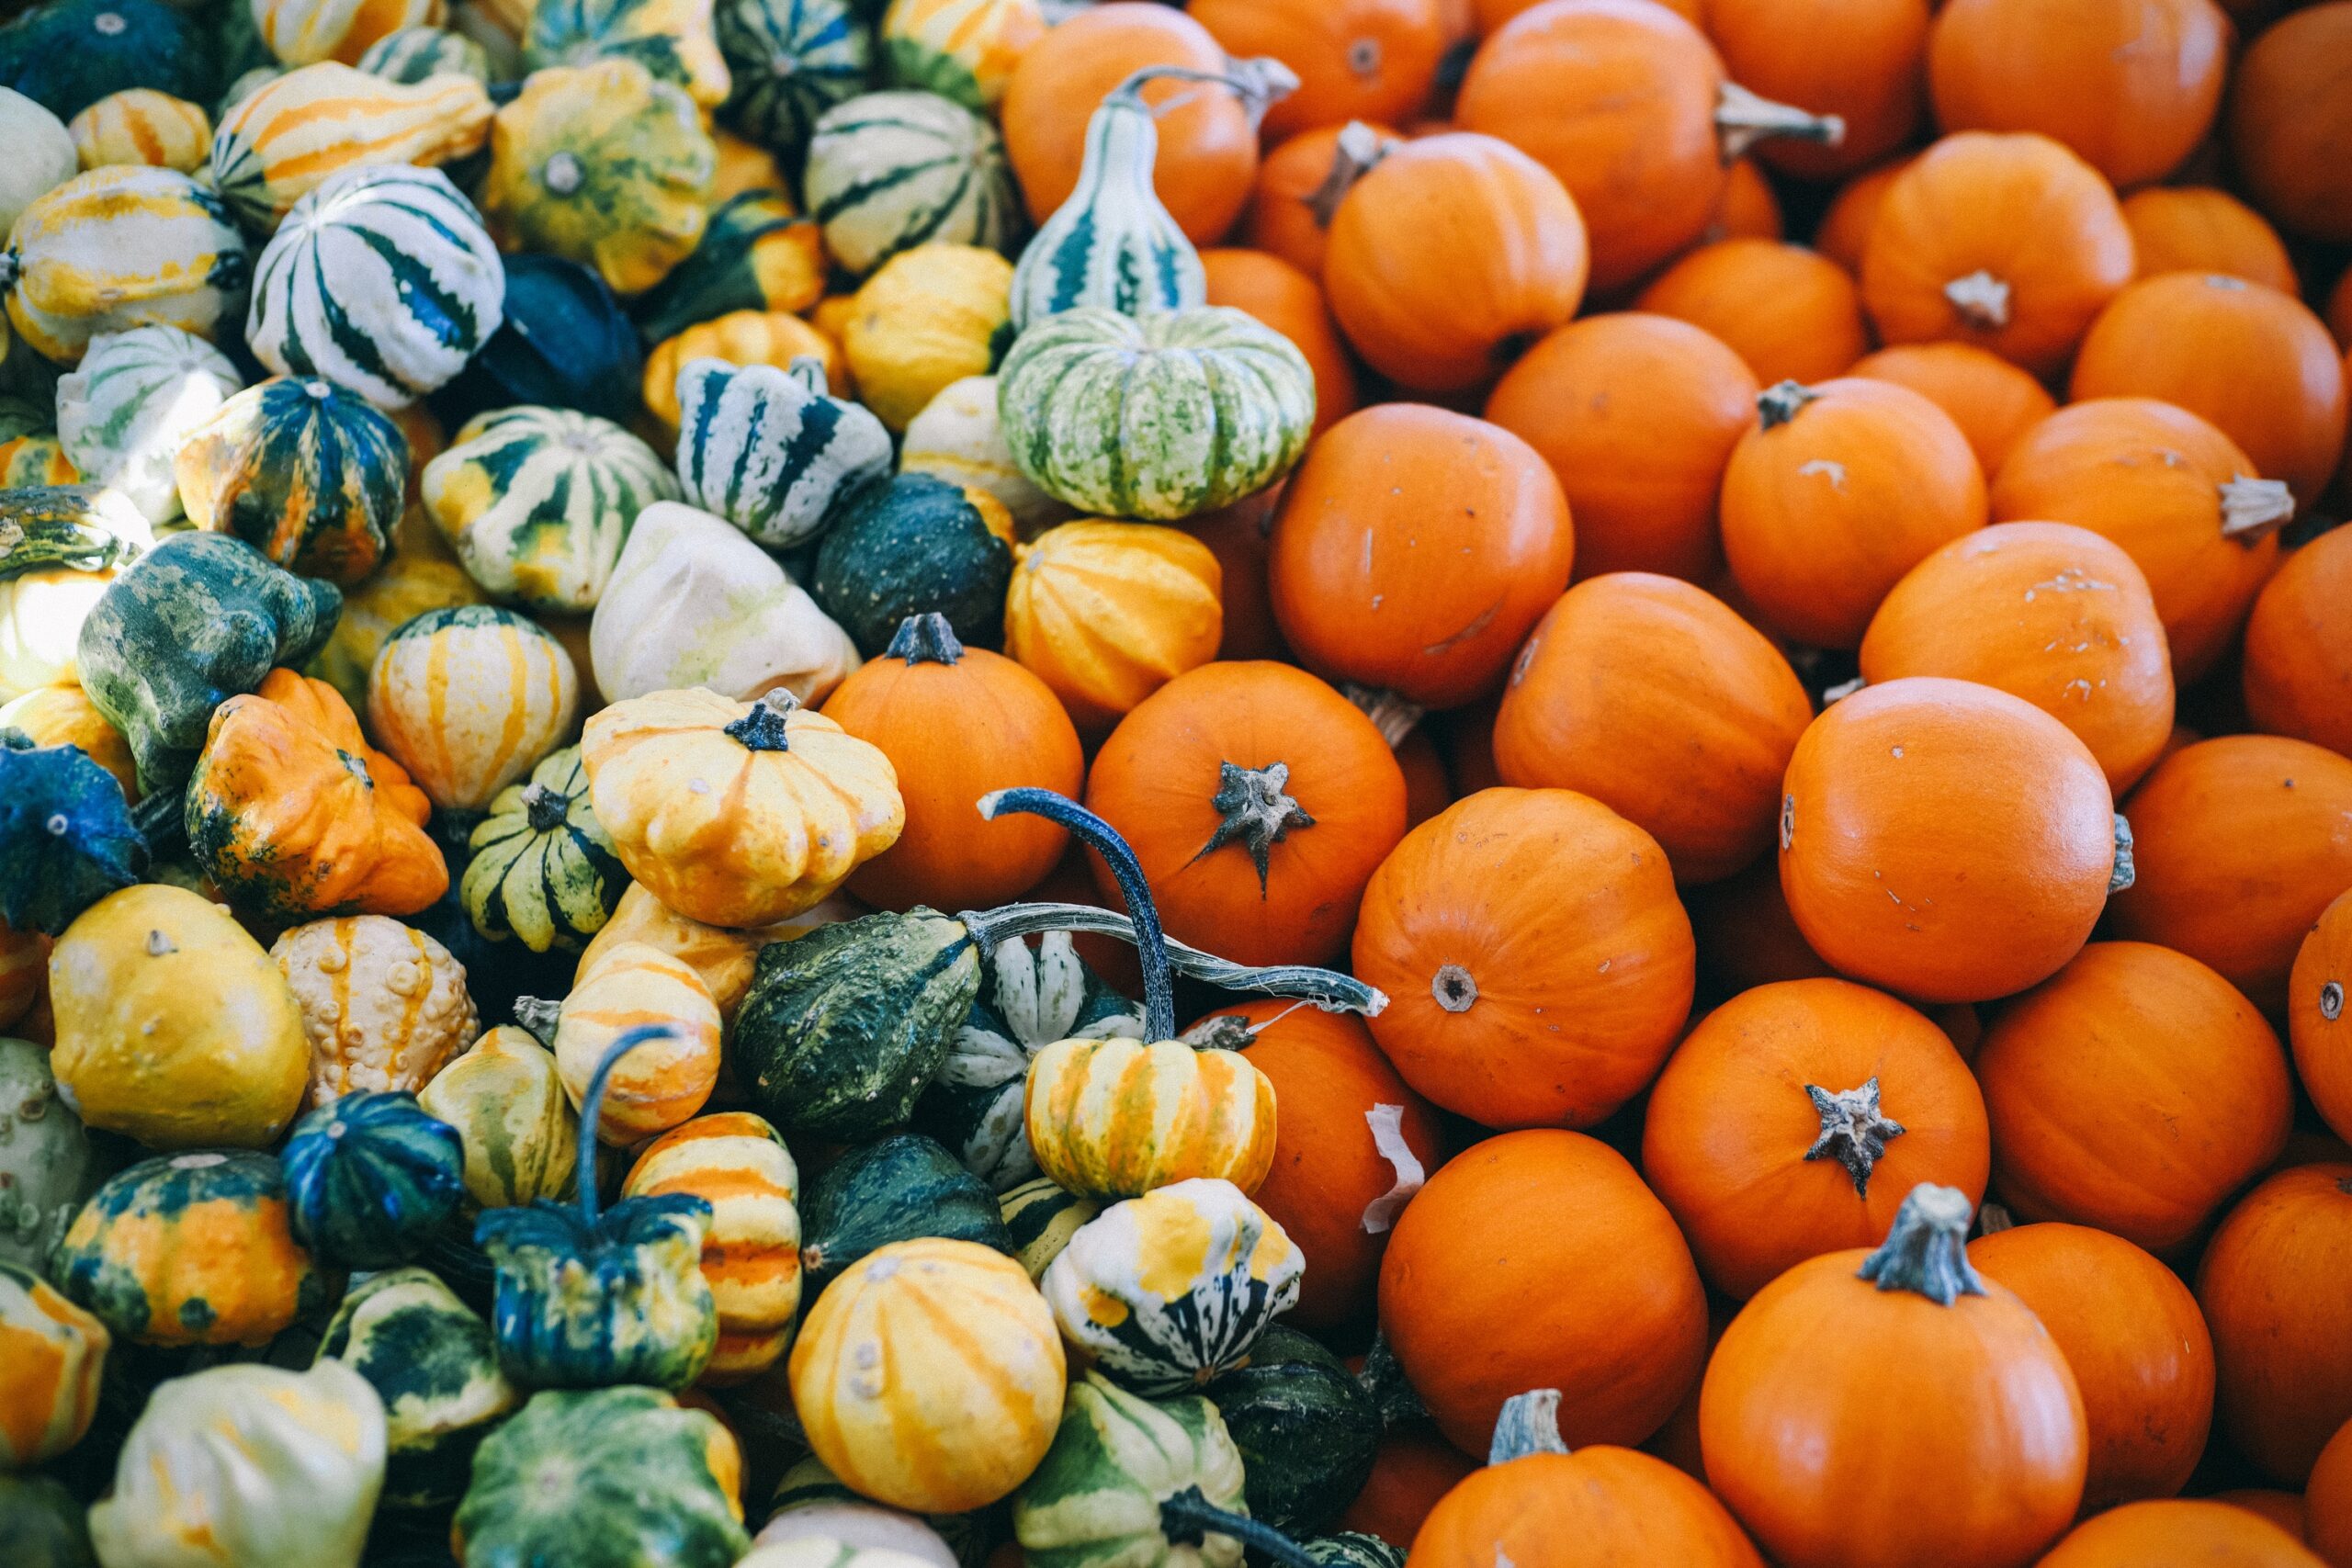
pixel 41 154
pixel 136 397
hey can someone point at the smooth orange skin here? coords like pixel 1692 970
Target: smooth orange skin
pixel 1845 231
pixel 1328 1076
pixel 1861 60
pixel 1993 401
pixel 1564 916
pixel 2282 1335
pixel 2043 610
pixel 1281 220
pixel 1155 778
pixel 1620 1507
pixel 2256 363
pixel 1656 699
pixel 954 732
pixel 1638 415
pixel 2133 1337
pixel 1836 1417
pixel 2148 476
pixel 2284 1509
pixel 1747 936
pixel 2020 206
pixel 1411 1470
pixel 1791 313
pixel 1729 1121
pixel 2241 843
pixel 2181 1533
pixel 1943 840
pixel 2288 125
pixel 1824 514
pixel 2322 1044
pixel 1493 13
pixel 1369 60
pixel 2199 229
pixel 2298 668
pixel 2327 1499
pixel 1414 549
pixel 1472 1296
pixel 1292 303
pixel 1451 252
pixel 1208 150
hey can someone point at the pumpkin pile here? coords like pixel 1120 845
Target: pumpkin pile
pixel 1016 784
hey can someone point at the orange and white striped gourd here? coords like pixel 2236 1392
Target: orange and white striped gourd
pixel 1117 1118
pixel 750 1249
pixel 384 1004
pixel 285 139
pixel 662 1082
pixel 468 699
pixel 724 956
pixel 52 1354
pixel 301 31
pixel 139 124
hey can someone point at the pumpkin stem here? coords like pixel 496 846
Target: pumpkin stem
pixel 591 1109
pixel 1255 808
pixel 1993 1219
pixel 1853 1131
pixel 1529 1424
pixel 1982 300
pixel 2331 1000
pixel 2253 509
pixel 538 1017
pixel 2125 874
pixel 1151 942
pixel 1391 714
pixel 544 808
pixel 1778 404
pixel 1187 1516
pixel 1359 151
pixel 1744 119
pixel 1927 1250
pixel 926 639
pixel 1257 83
pixel 1324 988
pixel 764 727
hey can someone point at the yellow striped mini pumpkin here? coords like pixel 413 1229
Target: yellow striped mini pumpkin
pixel 384 1004
pixel 930 1376
pixel 740 337
pixel 1117 1118
pixel 927 319
pixel 468 698
pixel 662 1083
pixel 1108 613
pixel 413 582
pixel 751 1250
pixel 508 1104
pixel 36 459
pixel 139 124
pixel 964 49
pixel 52 1354
pixel 119 247
pixel 283 141
pixel 301 31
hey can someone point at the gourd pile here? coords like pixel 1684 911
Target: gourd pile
pixel 1007 783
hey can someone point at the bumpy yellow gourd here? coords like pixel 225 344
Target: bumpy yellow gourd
pixel 1117 1118
pixel 384 1004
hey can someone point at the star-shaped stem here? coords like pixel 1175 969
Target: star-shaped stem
pixel 1256 810
pixel 1853 1131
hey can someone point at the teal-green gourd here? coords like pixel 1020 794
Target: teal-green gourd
pixel 370 1179
pixel 432 1362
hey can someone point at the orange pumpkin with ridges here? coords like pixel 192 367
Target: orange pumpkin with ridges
pixel 1292 303
pixel 2282 1338
pixel 2318 1027
pixel 2298 668
pixel 2199 229
pixel 2288 125
pixel 1993 401
pixel 1354 59
pixel 1863 60
pixel 1791 313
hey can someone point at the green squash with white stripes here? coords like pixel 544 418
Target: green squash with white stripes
pixel 790 61
pixel 305 472
pixel 381 280
pixel 432 1361
pixel 757 252
pixel 1101 1498
pixel 544 870
pixel 771 451
pixel 538 503
pixel 411 54
pixel 1040 1216
pixel 125 410
pixel 671 38
pixel 890 171
pixel 1113 243
pixel 1157 418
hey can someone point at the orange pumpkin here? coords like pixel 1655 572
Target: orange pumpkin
pixel 1208 144
pixel 2317 1024
pixel 1292 303
pixel 1944 839
pixel 1355 1144
pixel 2256 363
pixel 2043 610
pixel 1448 255
pixel 1537 962
pixel 2339 309
pixel 2241 843
pixel 957 723
pixel 2199 229
pixel 1844 233
pixel 2298 669
pixel 1746 935
pixel 2284 1509
pixel 1638 415
pixel 2174 491
pixel 2008 241
pixel 2199 1530
pixel 2290 123
pixel 1259 800
pixel 1993 401
pixel 1748 209
pixel 1411 1470
pixel 1850 1396
pixel 2135 1090
pixel 1241 538
pixel 2328 1499
pixel 1656 699
pixel 1473 1303
pixel 1794 1120
pixel 1354 59
pixel 2133 1338
pixel 1837 492
pixel 1863 60
pixel 1791 313
pixel 1493 13
pixel 2269 1283
pixel 1414 549
pixel 1298 189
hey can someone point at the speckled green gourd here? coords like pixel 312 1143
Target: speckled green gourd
pixel 1305 1428
pixel 432 1362
pixel 917 546
pixel 47 1165
pixel 789 61
pixel 898 1190
pixel 544 871
pixel 1098 1499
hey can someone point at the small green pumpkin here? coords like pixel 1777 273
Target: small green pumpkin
pixel 370 1177
pixel 307 474
pixel 137 397
pixel 790 61
pixel 66 838
pixel 756 254
pixel 44 1525
pixel 67 55
pixel 565 342
pixel 900 1189
pixel 890 171
pixel 915 547
pixel 771 451
pixel 47 1165
pixel 1305 1428
pixel 411 54
pixel 1040 1216
pixel 543 868
pixel 434 1364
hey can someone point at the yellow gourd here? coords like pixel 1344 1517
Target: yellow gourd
pixel 1108 613
pixel 740 337
pixel 139 124
pixel 931 316
pixel 65 715
pixel 384 1004
pixel 1117 1118
pixel 507 1102
pixel 662 1083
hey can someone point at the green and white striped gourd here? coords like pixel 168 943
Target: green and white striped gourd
pixel 771 451
pixel 137 397
pixel 1114 243
pixel 543 869
pixel 411 54
pixel 671 38
pixel 790 62
pixel 890 171
pixel 538 503
pixel 1041 1215
pixel 1103 1495
pixel 381 280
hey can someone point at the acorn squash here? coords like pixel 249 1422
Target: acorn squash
pixel 384 1004
pixel 469 699
pixel 671 38
pixel 507 1102
pixel 67 55
pixel 565 342
pixel 890 171
pixel 756 254
pixel 137 398
pixel 48 1165
pixel 319 125
pixel 790 62
pixel 903 1187
pixel 771 451
pixel 543 868
pixel 751 1250
pixel 139 124
pixel 928 318
pixel 1305 1428
pixel 66 838
pixel 51 1357
pixel 1041 1217
pixel 914 546
pixel 965 50
pixel 119 247
pixel 303 471
pixel 411 54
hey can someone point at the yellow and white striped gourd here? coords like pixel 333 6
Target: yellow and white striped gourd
pixel 121 247
pixel 507 1102
pixel 965 50
pixel 771 450
pixel 1117 1118
pixel 285 141
pixel 124 414
pixel 750 1251
pixel 139 124
pixel 468 699
pixel 300 32
pixel 661 1084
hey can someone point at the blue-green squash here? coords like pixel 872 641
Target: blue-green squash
pixel 1158 418
pixel 756 254
pixel 47 1164
pixel 538 501
pixel 890 171
pixel 307 473
pixel 123 246
pixel 917 546
pixel 124 414
pixel 612 1478
pixel 771 451
pixel 1040 1216
pixel 671 38
pixel 1305 1428
pixel 66 837
pixel 565 342
pixel 411 54
pixel 790 62
pixel 370 1178
pixel 544 871
pixel 70 53
pixel 381 280
pixel 43 1525
pixel 431 1361
pixel 899 1189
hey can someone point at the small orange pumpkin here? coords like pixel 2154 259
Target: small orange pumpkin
pixel 1993 401
pixel 2290 123
pixel 2172 1530
pixel 1411 1470
pixel 1862 60
pixel 1354 59
pixel 2199 229
pixel 2282 1339
pixel 1845 231
pixel 2328 1499
pixel 1746 935
pixel 1298 189
pixel 1292 303
pixel 1791 313
pixel 2298 669
pixel 2317 1022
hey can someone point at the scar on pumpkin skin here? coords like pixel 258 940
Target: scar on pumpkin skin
pixel 1478 624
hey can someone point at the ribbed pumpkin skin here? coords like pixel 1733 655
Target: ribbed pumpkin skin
pixel 662 1083
pixel 790 62
pixel 750 1253
pixel 136 399
pixel 1859 60
pixel 770 451
pixel 507 1102
pixel 123 246
pixel 543 868
pixel 55 1353
pixel 756 254
pixel 370 1179
pixel 468 699
pixel 890 171
pixel 964 48
pixel 434 1364
pixel 1106 614
pixel 314 124
pixel 903 1187
pixel 300 32
pixel 671 38
pixel 1115 1459
pixel 979 1382
pixel 303 471
pixel 139 124
pixel 1117 1118
pixel 1619 1506
pixel 2279 1346
pixel 1040 1216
